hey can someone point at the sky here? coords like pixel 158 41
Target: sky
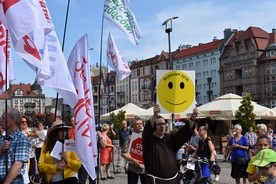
pixel 199 22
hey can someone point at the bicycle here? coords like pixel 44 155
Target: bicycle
pixel 192 171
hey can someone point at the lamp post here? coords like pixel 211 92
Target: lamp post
pixel 168 29
pixel 209 92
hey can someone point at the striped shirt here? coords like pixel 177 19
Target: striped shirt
pixel 19 151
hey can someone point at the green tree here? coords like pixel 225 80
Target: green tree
pixel 245 116
pixel 116 120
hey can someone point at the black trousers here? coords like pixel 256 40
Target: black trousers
pixel 132 178
pixel 70 180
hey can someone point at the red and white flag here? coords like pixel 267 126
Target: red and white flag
pixel 115 60
pixel 85 130
pixel 25 19
pixel 120 13
pixel 5 59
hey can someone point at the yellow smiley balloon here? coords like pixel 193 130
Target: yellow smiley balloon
pixel 176 91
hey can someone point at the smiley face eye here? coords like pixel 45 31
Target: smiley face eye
pixel 182 85
pixel 170 85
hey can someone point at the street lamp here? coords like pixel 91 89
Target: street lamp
pixel 169 30
pixel 209 92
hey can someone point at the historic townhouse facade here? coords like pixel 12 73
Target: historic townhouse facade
pixel 122 92
pixel 204 60
pixel 27 98
pixel 242 62
pixel 247 65
pixel 143 79
pixel 267 67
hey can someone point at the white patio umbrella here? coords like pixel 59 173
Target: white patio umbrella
pixel 225 107
pixel 149 112
pixel 131 109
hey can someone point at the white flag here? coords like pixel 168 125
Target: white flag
pixel 115 60
pixel 122 16
pixel 24 19
pixel 5 59
pixel 60 79
pixel 85 130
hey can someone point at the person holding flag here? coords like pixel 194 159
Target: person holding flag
pixel 132 152
pixel 63 170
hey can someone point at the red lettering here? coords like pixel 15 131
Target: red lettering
pixel 2 81
pixel 44 9
pixel 8 3
pixel 84 122
pixel 30 47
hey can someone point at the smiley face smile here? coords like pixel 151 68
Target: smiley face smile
pixel 175 103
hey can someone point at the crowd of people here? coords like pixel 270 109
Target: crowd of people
pixel 146 151
pixel 244 150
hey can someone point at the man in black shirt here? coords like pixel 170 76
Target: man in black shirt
pixel 160 148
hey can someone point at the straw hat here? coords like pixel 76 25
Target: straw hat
pixel 57 125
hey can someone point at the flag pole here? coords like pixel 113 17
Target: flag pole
pixel 6 100
pixel 63 43
pixel 56 105
pixel 99 101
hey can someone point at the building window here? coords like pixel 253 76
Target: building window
pixel 213 72
pixel 205 74
pixel 273 87
pixel 213 61
pixel 177 67
pixel 135 87
pixel 205 62
pixel 18 92
pixel 198 75
pixel 267 70
pixel 206 86
pixel 198 87
pixel 147 70
pixel 198 64
pixel 134 73
pixel 213 85
pixel 191 65
pixel 142 85
pixel 272 69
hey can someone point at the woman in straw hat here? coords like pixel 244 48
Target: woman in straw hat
pixel 58 171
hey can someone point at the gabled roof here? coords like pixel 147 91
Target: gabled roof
pixel 270 46
pixel 163 56
pixel 253 32
pixel 5 95
pixel 25 88
pixel 199 49
pixel 261 39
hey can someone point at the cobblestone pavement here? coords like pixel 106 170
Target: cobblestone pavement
pixel 225 177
